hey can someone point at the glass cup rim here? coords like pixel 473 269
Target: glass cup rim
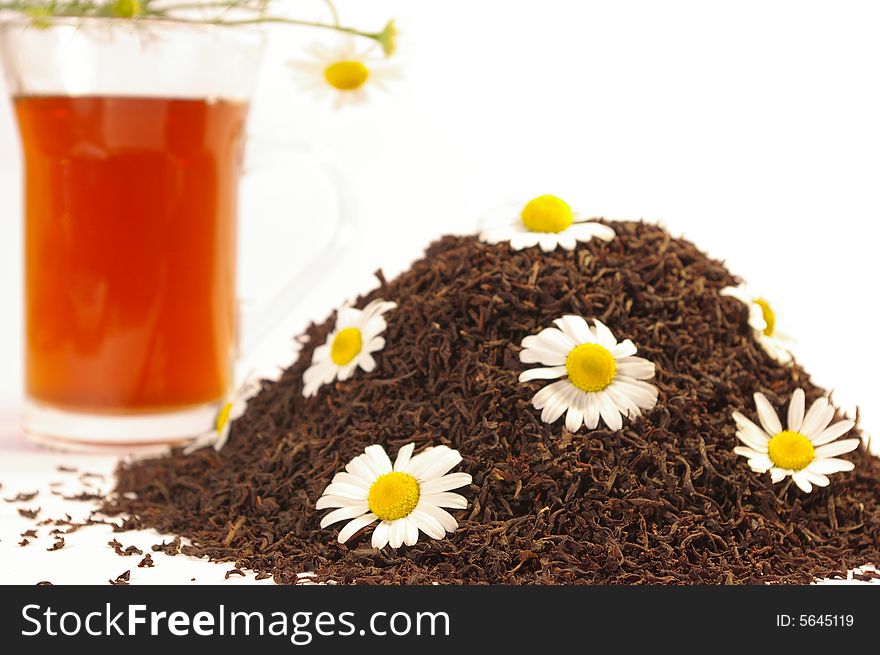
pixel 255 32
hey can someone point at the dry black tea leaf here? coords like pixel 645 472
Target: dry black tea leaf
pixel 122 579
pixel 22 497
pixel 662 501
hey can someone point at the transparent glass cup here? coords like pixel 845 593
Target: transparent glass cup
pixel 132 136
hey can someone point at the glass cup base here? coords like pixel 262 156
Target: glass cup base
pixel 116 433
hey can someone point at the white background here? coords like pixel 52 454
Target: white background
pixel 751 127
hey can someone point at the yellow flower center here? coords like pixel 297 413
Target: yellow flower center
pixel 346 346
pixel 126 8
pixel 393 496
pixel 223 417
pixel 547 214
pixel 791 450
pixel 769 316
pixel 346 75
pixel 590 367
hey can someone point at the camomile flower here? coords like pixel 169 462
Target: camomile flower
pixel 352 343
pixel 601 378
pixel 232 409
pixel 344 72
pixel 404 498
pixel 806 450
pixel 546 221
pixel 762 320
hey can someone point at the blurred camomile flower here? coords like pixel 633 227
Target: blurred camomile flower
pixel 355 338
pixel 546 221
pixel 232 408
pixel 344 72
pixel 806 450
pixel 764 323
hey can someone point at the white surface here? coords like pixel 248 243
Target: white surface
pixel 86 557
pixel 751 127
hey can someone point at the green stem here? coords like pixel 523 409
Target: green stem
pixel 333 11
pixel 162 14
pixel 239 22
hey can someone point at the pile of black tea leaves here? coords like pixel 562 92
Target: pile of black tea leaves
pixel 662 501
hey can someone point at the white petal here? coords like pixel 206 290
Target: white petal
pixel 443 517
pixel 322 352
pixel 604 336
pixel 545 395
pixel 418 462
pixel 830 465
pixel 641 393
pixel 446 483
pixel 623 402
pixel 575 328
pixel 567 240
pixel 377 308
pixel 591 415
pixel 361 469
pixel 343 490
pixel 609 412
pixel 374 344
pixel 548 241
pixel 344 513
pixel 495 235
pixel 817 479
pixel 327 502
pixel 380 535
pixel 366 362
pixel 745 451
pixel 832 432
pixel 636 367
pixel 777 474
pixel 552 339
pixel 801 480
pixel 379 459
pixel 411 535
pixel 403 457
pixel 355 525
pixel 520 240
pixel 344 477
pixel 371 329
pixel 772 347
pixel 346 317
pixel 586 231
pixel 550 373
pixel 796 410
pixel 440 465
pixel 558 403
pixel 446 499
pixel 817 419
pixel 542 355
pixel 396 533
pixel 427 524
pixel 761 463
pixel 345 372
pixel 836 448
pixel 756 317
pixel 316 376
pixel 750 434
pixel 625 348
pixel 767 415
pixel 574 418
